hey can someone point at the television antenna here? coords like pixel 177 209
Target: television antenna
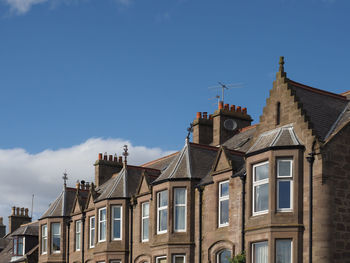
pixel 224 87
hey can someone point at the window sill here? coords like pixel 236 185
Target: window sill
pixel 260 213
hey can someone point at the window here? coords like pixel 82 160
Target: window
pixel 260 188
pixel 43 239
pixel 117 222
pixel 77 235
pixel 179 259
pixel 180 209
pixel 92 232
pixel 145 222
pixel 115 261
pixel 284 185
pixel 224 256
pixel 260 252
pixel 18 246
pixel 56 237
pixel 162 212
pixel 102 219
pixel 223 203
pixel 160 259
pixel 283 251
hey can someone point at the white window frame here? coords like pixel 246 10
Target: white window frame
pixel 180 205
pixel 43 239
pixel 100 222
pixel 287 179
pixel 77 234
pixel 179 256
pixel 117 219
pixel 143 217
pixel 115 261
pixel 159 258
pixel 253 249
pixel 52 236
pixel 92 228
pixel 291 247
pixel 221 199
pixel 258 183
pixel 161 208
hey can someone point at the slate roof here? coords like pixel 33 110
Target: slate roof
pixel 241 141
pixel 322 108
pixel 161 163
pixel 194 161
pixel 6 254
pixel 283 136
pixel 62 206
pixel 30 229
pixel 125 183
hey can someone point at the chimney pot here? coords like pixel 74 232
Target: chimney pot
pixel 244 110
pixel 22 211
pixel 105 156
pixel 100 156
pixel 227 106
pixel 87 186
pixel 120 159
pixel 111 158
pixel 77 185
pixel 17 211
pixel 26 212
pixel 205 115
pixel 13 210
pixel 199 115
pixel 233 107
pixel 1 221
pixel 210 116
pixel 221 105
pixel 115 158
pixel 238 109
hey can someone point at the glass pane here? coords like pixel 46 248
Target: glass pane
pixel 179 259
pixel 20 246
pixel 145 228
pixel 56 229
pixel 15 246
pixel 284 251
pixel 261 197
pixel 262 172
pixel 161 260
pixel 56 246
pixel 260 253
pixel 44 231
pixel 224 211
pixel 224 189
pixel 224 256
pixel 180 217
pixel 180 196
pixel 284 168
pixel 284 194
pixel 116 229
pixel 145 209
pixel 163 217
pixel 163 198
pixel 116 212
pixel 92 222
pixel 103 215
pixel 92 237
pixel 103 231
pixel 77 227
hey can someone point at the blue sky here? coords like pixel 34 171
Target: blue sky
pixel 78 77
pixel 140 70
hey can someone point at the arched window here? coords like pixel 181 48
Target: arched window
pixel 224 256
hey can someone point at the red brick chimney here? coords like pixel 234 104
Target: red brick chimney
pixel 18 217
pixel 105 167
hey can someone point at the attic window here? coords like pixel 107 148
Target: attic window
pixel 18 246
pixel 278 113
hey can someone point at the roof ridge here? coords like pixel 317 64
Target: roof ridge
pixel 142 168
pixel 159 159
pixel 204 146
pixel 319 91
pixel 248 128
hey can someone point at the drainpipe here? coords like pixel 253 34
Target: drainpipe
pixel 68 229
pixel 311 159
pixel 83 236
pixel 243 178
pixel 132 201
pixel 200 189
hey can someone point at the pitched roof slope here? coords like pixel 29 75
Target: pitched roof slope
pixel 161 163
pixel 241 141
pixel 321 107
pixel 30 229
pixel 62 206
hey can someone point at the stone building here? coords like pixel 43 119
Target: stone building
pixel 278 190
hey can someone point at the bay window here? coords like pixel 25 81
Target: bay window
pixel 116 222
pixel 56 237
pixel 145 222
pixel 92 232
pixel 260 252
pixel 260 188
pixel 180 209
pixel 102 220
pixel 284 185
pixel 77 235
pixel 162 212
pixel 223 203
pixel 283 251
pixel 43 239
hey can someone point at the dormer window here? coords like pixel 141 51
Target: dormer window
pixel 18 246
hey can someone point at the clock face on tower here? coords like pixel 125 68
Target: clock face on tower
pixel 230 124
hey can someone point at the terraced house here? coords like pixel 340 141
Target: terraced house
pixel 278 190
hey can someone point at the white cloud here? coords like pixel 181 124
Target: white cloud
pixel 22 6
pixel 23 174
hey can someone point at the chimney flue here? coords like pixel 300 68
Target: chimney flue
pixel 120 159
pixel 110 157
pixel 238 109
pixel 13 210
pixel 26 211
pixel 205 115
pixel 233 107
pixel 105 156
pixel 227 106
pixel 221 105
pixel 244 110
pixel 100 156
pixel 199 115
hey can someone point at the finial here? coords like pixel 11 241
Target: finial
pixel 125 154
pixel 189 130
pixel 281 64
pixel 65 178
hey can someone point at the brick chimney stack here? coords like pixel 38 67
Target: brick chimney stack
pixel 18 217
pixel 2 228
pixel 106 166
